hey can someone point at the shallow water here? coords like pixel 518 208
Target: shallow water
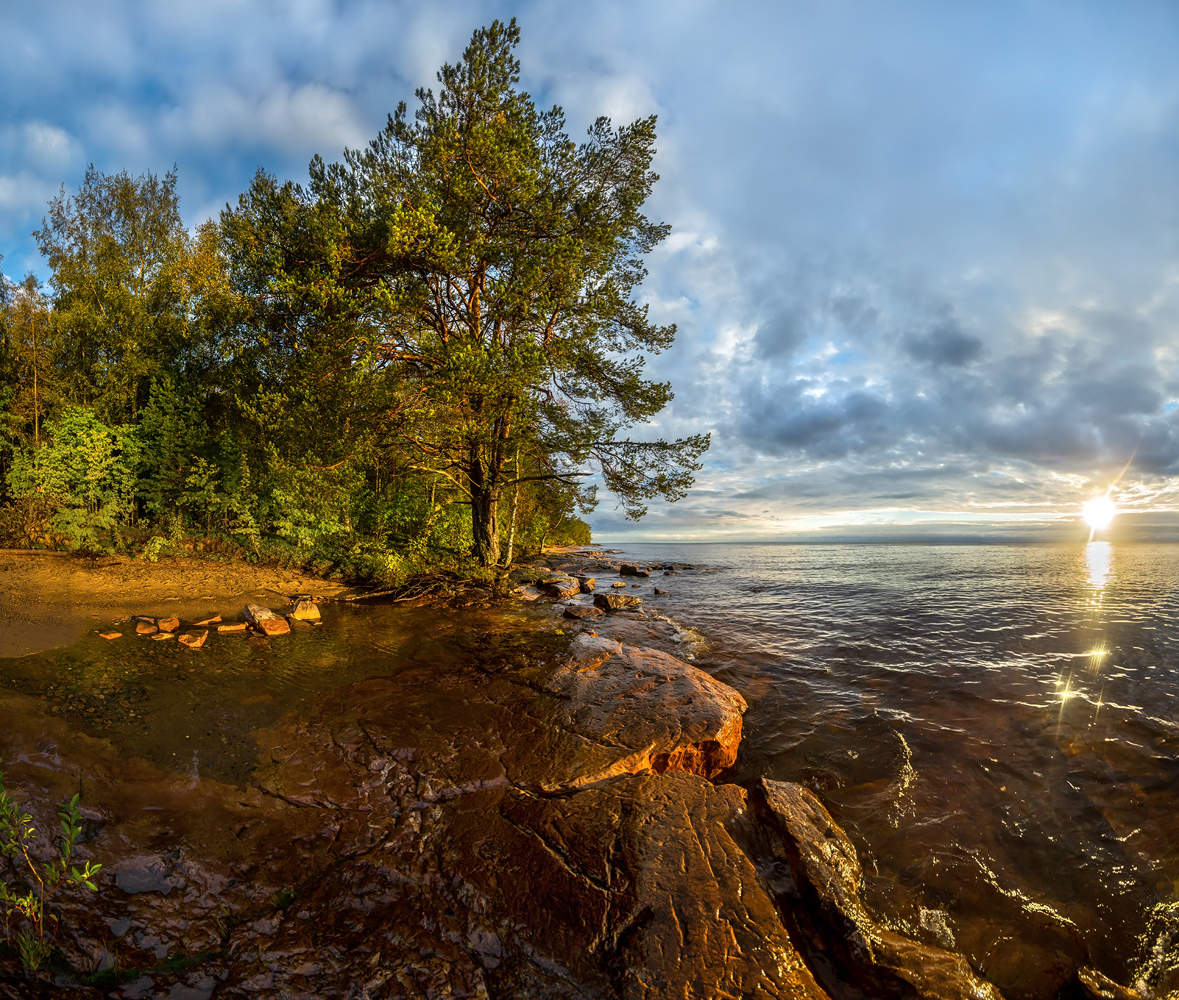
pixel 995 725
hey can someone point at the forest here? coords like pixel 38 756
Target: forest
pixel 429 352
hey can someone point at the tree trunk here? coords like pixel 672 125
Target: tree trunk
pixel 512 520
pixel 485 525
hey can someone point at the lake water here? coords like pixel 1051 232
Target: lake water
pixel 997 727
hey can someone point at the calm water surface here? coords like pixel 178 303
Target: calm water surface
pixel 997 726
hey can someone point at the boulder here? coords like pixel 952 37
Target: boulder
pixel 232 627
pixel 304 609
pixel 627 569
pixel 583 612
pixel 586 583
pixel 617 602
pixel 194 639
pixel 846 944
pixel 561 588
pixel 646 709
pixel 168 624
pixel 266 621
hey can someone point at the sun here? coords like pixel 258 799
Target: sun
pixel 1099 512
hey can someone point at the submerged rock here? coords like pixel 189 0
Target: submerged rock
pixel 617 602
pixel 583 612
pixel 266 621
pixel 846 944
pixel 231 627
pixel 110 635
pixel 194 639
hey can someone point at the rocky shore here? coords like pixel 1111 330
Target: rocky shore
pixel 551 823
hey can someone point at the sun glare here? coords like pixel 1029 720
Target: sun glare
pixel 1099 512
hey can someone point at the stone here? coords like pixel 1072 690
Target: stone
pixel 583 612
pixel 561 588
pixel 617 602
pixel 145 628
pixel 528 593
pixel 212 620
pixel 1098 986
pixel 163 635
pixel 618 583
pixel 110 635
pixel 847 945
pixel 586 583
pixel 627 569
pixel 305 609
pixel 651 711
pixel 659 591
pixel 266 621
pixel 232 627
pixel 194 639
pixel 168 624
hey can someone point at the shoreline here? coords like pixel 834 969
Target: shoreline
pixel 634 761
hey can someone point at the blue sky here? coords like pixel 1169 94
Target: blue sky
pixel 925 257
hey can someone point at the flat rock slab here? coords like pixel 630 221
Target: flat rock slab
pixel 561 589
pixel 266 621
pixel 194 639
pixel 617 602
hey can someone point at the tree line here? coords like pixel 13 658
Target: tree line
pixel 423 351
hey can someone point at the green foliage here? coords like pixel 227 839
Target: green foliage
pixel 82 479
pixel 26 901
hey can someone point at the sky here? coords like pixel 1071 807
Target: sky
pixel 924 260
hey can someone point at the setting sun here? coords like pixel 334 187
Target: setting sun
pixel 1099 512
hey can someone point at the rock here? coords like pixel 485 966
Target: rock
pixel 583 612
pixel 305 610
pixel 626 569
pixel 618 583
pixel 647 708
pixel 528 593
pixel 194 639
pixel 561 588
pixel 1097 986
pixel 145 627
pixel 846 944
pixel 266 620
pixel 109 635
pixel 660 592
pixel 168 624
pixel 163 635
pixel 586 583
pixel 213 620
pixel 669 572
pixel 617 602
pixel 232 627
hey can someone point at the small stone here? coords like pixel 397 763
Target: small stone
pixel 208 621
pixel 168 624
pixel 232 627
pixel 109 635
pixel 658 591
pixel 266 621
pixel 145 628
pixel 618 583
pixel 193 640
pixel 163 635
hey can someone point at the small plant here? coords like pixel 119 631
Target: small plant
pixel 24 904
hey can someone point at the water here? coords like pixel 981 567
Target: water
pixel 997 727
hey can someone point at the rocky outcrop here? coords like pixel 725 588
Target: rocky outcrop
pixel 266 621
pixel 627 569
pixel 643 710
pixel 616 602
pixel 586 583
pixel 847 946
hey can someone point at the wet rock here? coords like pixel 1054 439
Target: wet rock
pixel 163 635
pixel 818 880
pixel 211 620
pixel 586 583
pixel 583 612
pixel 628 569
pixel 618 583
pixel 658 591
pixel 110 635
pixel 266 621
pixel 231 628
pixel 645 710
pixel 146 874
pixel 304 609
pixel 616 602
pixel 528 593
pixel 145 627
pixel 194 639
pixel 168 624
pixel 1097 986
pixel 560 588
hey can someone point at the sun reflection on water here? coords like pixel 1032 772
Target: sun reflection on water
pixel 1099 563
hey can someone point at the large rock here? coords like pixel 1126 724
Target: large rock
pixel 643 709
pixel 583 612
pixel 586 583
pixel 627 569
pixel 617 602
pixel 1096 985
pixel 847 945
pixel 266 621
pixel 561 588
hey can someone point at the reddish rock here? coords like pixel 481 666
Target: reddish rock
pixel 212 620
pixel 168 624
pixel 583 612
pixel 232 627
pixel 617 602
pixel 109 635
pixel 266 621
pixel 145 627
pixel 194 639
pixel 305 609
